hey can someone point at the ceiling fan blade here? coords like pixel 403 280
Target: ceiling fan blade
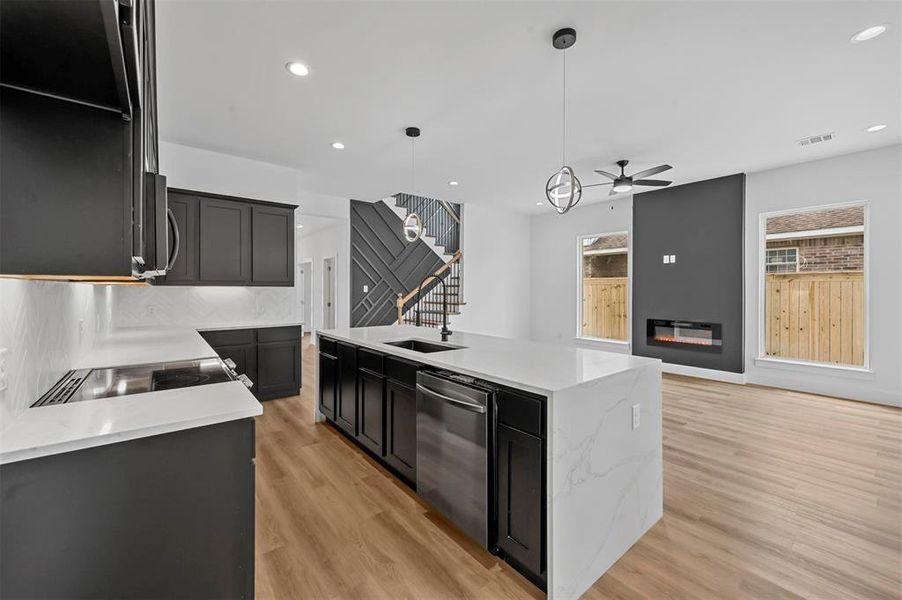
pixel 652 182
pixel 597 184
pixel 606 174
pixel 652 171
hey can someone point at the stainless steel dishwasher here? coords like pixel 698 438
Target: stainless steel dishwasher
pixel 454 414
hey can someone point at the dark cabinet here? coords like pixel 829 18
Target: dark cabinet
pixel 224 242
pixel 346 405
pixel 328 384
pixel 184 268
pixel 401 428
pixel 371 405
pixel 520 502
pixel 273 245
pixel 270 356
pixel 164 516
pixel 231 241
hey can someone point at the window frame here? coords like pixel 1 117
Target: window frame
pixel 761 275
pixel 797 261
pixel 629 288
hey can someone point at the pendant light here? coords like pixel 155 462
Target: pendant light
pixel 412 228
pixel 563 189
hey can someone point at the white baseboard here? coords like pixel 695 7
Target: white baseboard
pixel 714 374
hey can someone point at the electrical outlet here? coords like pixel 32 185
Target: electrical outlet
pixel 3 378
pixel 636 416
pixel 81 330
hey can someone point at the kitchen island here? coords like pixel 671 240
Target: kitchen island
pixel 601 437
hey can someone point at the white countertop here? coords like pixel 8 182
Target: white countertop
pixel 534 366
pixel 48 430
pixel 248 325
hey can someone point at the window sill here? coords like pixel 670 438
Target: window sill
pixel 812 367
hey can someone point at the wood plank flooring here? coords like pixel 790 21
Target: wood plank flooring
pixel 767 494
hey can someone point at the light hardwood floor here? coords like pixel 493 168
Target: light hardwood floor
pixel 767 494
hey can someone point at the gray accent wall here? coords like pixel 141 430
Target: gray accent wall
pixel 702 224
pixel 385 262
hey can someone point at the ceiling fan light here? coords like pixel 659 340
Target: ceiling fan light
pixel 622 186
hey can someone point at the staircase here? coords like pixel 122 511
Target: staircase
pixel 441 221
pixel 429 309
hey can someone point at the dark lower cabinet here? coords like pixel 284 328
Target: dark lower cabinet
pixel 401 428
pixel 270 356
pixel 346 404
pixel 328 384
pixel 165 516
pixel 521 528
pixel 371 404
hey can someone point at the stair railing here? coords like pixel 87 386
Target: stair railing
pixel 403 299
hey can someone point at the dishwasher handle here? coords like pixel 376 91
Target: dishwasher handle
pixel 470 406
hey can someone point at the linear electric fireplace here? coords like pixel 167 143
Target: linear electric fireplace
pixel 685 334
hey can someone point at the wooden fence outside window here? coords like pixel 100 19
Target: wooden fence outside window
pixel 604 307
pixel 815 316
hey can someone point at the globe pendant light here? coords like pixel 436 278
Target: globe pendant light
pixel 563 189
pixel 412 227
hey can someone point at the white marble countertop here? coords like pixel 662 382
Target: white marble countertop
pixel 534 366
pixel 248 325
pixel 51 430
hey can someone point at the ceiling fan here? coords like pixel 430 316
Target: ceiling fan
pixel 625 183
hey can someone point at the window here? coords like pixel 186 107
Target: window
pixel 813 267
pixel 604 286
pixel 781 260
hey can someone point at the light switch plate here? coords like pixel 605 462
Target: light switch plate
pixel 666 259
pixel 636 416
pixel 366 288
pixel 672 258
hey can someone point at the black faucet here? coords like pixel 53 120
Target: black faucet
pixel 445 331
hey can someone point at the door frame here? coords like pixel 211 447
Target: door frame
pixel 333 260
pixel 309 283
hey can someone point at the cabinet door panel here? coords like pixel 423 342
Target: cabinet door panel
pixel 245 357
pixel 328 384
pixel 371 409
pixel 224 241
pixel 184 269
pixel 273 246
pixel 346 406
pixel 520 501
pixel 401 428
pixel 278 369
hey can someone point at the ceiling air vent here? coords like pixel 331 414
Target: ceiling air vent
pixel 816 139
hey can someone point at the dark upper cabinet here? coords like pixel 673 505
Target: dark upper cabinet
pixel 521 461
pixel 346 405
pixel 231 241
pixel 78 115
pixel 184 269
pixel 224 242
pixel 401 428
pixel 273 245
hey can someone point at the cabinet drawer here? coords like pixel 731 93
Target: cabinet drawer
pixel 521 411
pixel 328 346
pixel 279 334
pixel 367 359
pixel 229 337
pixel 401 370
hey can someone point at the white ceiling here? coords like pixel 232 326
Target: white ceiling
pixel 712 88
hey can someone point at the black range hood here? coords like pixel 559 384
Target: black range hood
pixel 84 51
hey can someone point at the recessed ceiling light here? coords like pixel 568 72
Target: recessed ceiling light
pixel 874 128
pixel 338 145
pixel 867 34
pixel 300 226
pixel 539 203
pixel 297 68
pixel 452 182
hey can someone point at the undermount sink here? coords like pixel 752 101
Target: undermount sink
pixel 423 346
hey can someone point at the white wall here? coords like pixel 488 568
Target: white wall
pixel 323 243
pixel 874 177
pixel 44 326
pixel 496 270
pixel 555 270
